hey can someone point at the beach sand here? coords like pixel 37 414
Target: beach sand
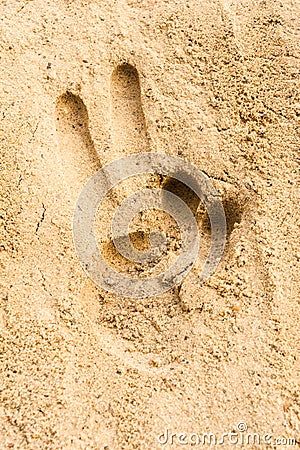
pixel 83 84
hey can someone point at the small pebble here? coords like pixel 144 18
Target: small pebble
pixel 236 307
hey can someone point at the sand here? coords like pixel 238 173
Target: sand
pixel 82 84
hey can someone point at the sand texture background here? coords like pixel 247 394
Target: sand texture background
pixel 84 83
